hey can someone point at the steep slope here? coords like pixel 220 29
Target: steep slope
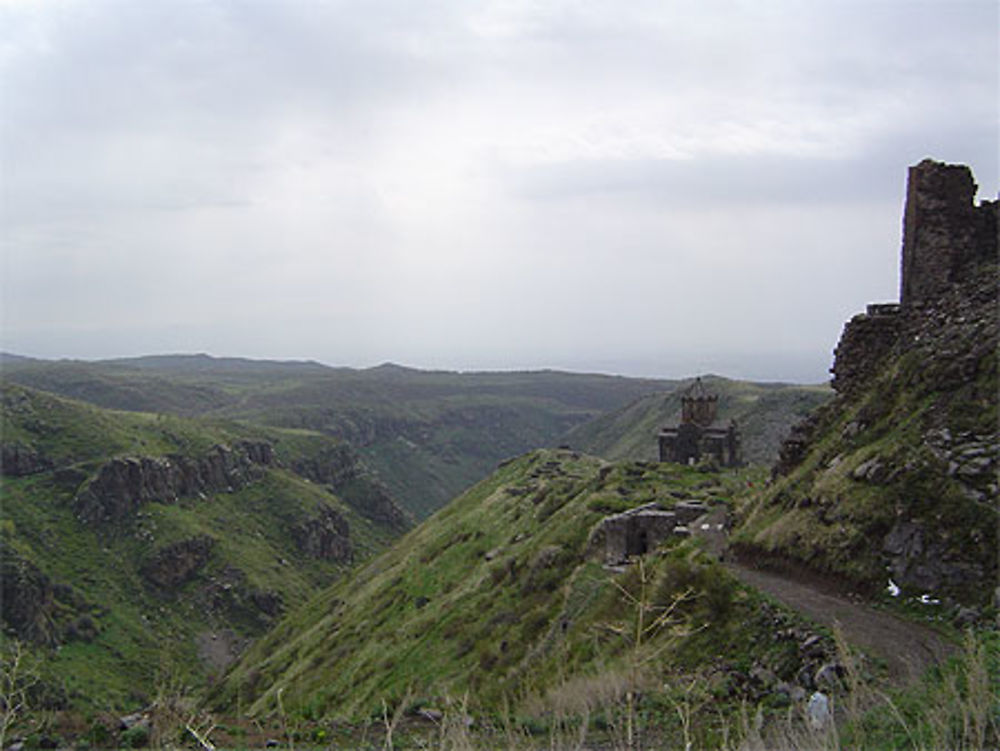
pixel 139 548
pixel 503 597
pixel 429 435
pixel 897 477
pixel 764 412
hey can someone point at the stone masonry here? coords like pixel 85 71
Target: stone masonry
pixel 945 239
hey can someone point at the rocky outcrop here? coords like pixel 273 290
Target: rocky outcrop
pixel 339 468
pixel 920 561
pixel 325 536
pixel 17 460
pixel 173 565
pixel 28 600
pixel 230 598
pixel 122 485
pixel 332 465
pixel 37 609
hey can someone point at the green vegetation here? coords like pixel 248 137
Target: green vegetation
pixel 428 435
pixel 179 584
pixel 903 454
pixel 501 597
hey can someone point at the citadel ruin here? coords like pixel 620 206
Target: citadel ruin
pixel 699 435
pixel 946 237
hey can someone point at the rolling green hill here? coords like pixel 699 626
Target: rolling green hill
pixel 503 598
pixel 138 547
pixel 428 434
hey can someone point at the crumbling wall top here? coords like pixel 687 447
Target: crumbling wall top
pixel 942 231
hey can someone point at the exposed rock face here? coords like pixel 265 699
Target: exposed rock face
pixel 229 596
pixel 122 485
pixel 17 460
pixel 325 536
pixel 37 609
pixel 922 562
pixel 28 600
pixel 339 468
pixel 178 563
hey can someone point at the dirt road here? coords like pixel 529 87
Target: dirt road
pixel 908 648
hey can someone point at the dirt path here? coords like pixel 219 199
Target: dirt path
pixel 908 648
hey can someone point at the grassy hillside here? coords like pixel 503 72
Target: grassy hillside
pixel 497 623
pixel 502 597
pixel 428 434
pixel 138 548
pixel 764 412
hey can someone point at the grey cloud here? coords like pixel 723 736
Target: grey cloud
pixel 693 183
pixel 467 184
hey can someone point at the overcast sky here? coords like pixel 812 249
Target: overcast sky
pixel 643 187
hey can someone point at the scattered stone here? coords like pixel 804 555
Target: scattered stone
pixel 871 471
pixel 138 719
pixel 818 711
pixel 967 617
pixel 813 645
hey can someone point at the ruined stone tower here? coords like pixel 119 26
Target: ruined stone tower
pixel 943 232
pixel 946 238
pixel 698 406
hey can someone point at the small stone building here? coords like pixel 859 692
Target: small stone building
pixel 699 435
pixel 640 530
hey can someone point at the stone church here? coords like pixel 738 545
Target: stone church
pixel 698 435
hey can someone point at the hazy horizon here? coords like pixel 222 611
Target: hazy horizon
pixel 656 189
pixel 678 371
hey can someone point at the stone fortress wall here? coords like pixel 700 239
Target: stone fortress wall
pixel 946 238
